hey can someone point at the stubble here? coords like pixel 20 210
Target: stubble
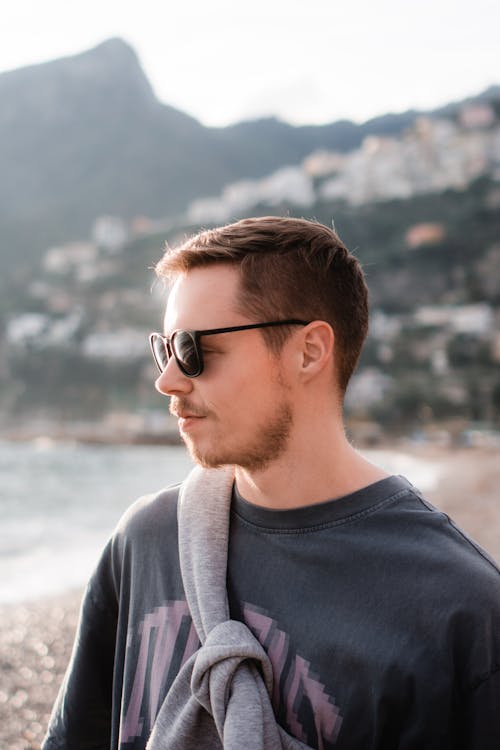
pixel 267 444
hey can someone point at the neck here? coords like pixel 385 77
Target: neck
pixel 312 469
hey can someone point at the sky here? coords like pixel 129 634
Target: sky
pixel 304 61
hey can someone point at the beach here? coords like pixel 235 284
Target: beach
pixel 35 645
pixel 36 637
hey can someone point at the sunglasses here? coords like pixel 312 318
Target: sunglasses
pixel 185 346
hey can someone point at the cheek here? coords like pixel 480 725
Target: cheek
pixel 256 396
pixel 245 383
pixel 237 396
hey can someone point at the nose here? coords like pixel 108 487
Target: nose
pixel 172 380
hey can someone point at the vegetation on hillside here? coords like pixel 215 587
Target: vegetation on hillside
pixel 423 370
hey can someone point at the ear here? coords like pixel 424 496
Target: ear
pixel 318 341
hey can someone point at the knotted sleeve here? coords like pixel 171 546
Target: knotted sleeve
pixel 221 696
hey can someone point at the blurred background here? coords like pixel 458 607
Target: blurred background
pixel 122 128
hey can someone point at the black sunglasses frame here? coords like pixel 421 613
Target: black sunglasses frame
pixel 169 342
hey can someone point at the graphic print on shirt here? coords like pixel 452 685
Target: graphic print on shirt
pixel 300 700
pixel 166 638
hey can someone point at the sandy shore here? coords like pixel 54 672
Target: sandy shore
pixel 36 638
pixel 35 645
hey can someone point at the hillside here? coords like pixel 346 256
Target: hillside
pixel 97 174
pixel 73 344
pixel 85 136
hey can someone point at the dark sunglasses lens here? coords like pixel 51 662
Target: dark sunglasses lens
pixel 186 353
pixel 160 351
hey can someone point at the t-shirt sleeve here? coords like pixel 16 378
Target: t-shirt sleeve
pixel 81 718
pixel 481 717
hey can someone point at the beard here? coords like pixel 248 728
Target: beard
pixel 267 443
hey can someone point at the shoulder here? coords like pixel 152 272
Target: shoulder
pixel 433 578
pixel 146 532
pixel 422 550
pixel 444 541
pixel 448 568
pixel 150 515
pixel 150 508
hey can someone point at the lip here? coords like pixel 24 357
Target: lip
pixel 188 421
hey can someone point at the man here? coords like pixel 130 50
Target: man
pixel 312 600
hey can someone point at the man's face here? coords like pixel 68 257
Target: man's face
pixel 239 410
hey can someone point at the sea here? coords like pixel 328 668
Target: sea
pixel 60 502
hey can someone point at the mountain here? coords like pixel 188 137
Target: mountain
pixel 85 136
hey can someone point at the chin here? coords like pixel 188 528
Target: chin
pixel 206 458
pixel 263 444
pixel 250 459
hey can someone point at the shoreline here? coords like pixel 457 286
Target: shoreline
pixel 36 636
pixel 129 430
pixel 90 437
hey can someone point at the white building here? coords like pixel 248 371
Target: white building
pixel 39 331
pixel 367 388
pixel 110 233
pixel 472 319
pixel 67 258
pixel 286 185
pixel 121 344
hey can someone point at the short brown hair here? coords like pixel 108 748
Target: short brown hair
pixel 290 268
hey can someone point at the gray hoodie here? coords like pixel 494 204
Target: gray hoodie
pixel 221 696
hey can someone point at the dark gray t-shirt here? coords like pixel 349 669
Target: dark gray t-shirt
pixel 380 618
